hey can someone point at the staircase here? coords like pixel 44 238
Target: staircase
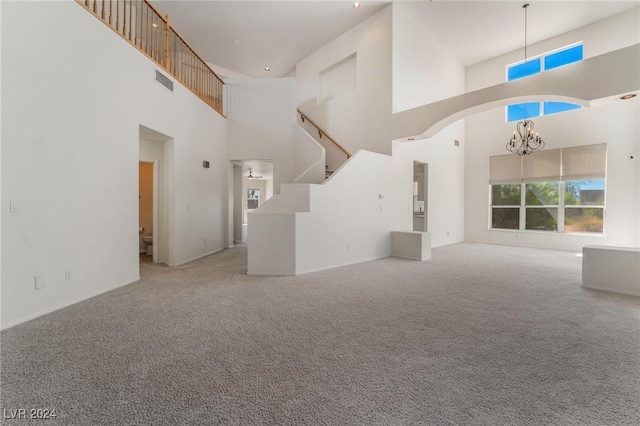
pixel 327 172
pixel 336 154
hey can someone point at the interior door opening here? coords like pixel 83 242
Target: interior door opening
pixel 252 186
pixel 147 198
pixel 420 196
pixel 154 186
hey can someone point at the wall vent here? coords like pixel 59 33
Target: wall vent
pixel 164 80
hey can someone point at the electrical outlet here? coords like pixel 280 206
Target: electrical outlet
pixel 67 275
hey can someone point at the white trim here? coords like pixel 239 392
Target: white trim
pixel 198 257
pixel 612 290
pixel 62 305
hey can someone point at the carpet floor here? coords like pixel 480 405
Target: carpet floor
pixel 478 335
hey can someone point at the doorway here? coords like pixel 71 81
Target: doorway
pixel 252 185
pixel 147 198
pixel 420 196
pixel 155 184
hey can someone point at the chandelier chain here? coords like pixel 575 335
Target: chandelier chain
pixel 526 6
pixel 524 141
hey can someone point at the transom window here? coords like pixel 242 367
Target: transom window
pixel 537 65
pixel 560 190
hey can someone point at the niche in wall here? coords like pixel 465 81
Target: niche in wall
pixel 337 79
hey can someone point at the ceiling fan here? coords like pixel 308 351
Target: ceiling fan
pixel 251 176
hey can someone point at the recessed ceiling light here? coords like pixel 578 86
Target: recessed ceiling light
pixel 356 5
pixel 236 41
pixel 267 69
pixel 629 96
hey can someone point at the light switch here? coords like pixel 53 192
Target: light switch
pixel 14 206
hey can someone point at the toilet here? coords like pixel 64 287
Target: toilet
pixel 148 240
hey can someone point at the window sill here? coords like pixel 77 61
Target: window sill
pixel 531 231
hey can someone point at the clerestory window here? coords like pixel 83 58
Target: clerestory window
pixel 537 65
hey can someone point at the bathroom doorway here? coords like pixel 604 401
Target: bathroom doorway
pixel 154 186
pixel 146 203
pixel 420 196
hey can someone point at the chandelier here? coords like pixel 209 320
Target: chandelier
pixel 524 141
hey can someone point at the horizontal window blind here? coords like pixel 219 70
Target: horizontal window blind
pixel 577 163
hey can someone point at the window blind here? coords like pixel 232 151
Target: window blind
pixel 584 162
pixel 505 169
pixel 543 166
pixel 578 163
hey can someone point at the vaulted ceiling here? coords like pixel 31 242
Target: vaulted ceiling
pixel 247 36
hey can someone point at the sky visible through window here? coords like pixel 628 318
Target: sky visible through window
pixel 593 184
pixel 535 66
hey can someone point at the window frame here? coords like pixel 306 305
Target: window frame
pixel 580 168
pixel 561 209
pixel 542 68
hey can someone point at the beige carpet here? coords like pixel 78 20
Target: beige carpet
pixel 479 335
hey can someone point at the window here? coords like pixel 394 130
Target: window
pixel 563 57
pixel 253 198
pixel 545 62
pixel 524 69
pixel 517 112
pixel 537 65
pixel 577 195
pixel 505 209
pixel 541 202
pixel 555 107
pixel 561 190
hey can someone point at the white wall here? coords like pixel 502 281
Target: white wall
pixel 615 123
pixel 423 70
pixel 310 158
pixel 616 32
pixel 261 115
pixel 360 118
pixel 72 107
pixel 350 217
pixel 347 219
pixel 446 177
pixel 1 204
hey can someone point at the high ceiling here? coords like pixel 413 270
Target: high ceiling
pixel 247 36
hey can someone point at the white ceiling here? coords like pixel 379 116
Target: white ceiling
pixel 261 170
pixel 278 34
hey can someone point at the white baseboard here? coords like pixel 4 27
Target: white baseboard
pixel 198 257
pixel 612 290
pixel 62 305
